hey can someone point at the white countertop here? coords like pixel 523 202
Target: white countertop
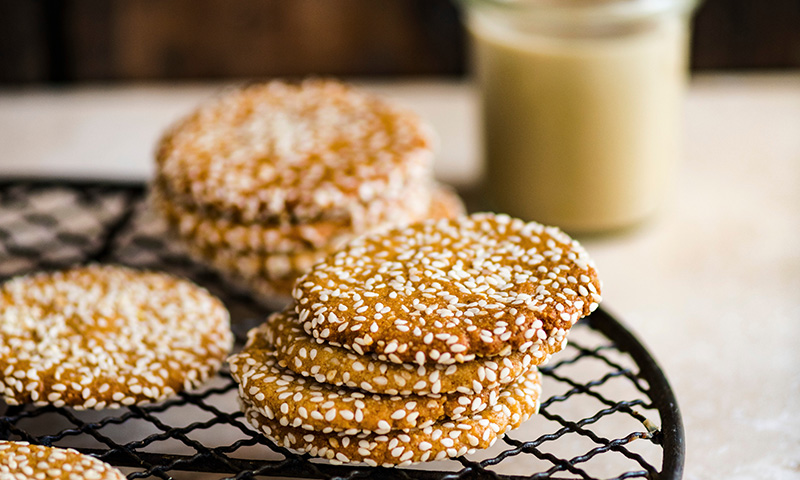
pixel 712 285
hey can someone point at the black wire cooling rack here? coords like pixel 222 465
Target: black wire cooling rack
pixel 607 412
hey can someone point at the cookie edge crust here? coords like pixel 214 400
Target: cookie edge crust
pixel 373 375
pixel 341 448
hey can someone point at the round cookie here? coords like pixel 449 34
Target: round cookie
pixel 268 266
pixel 288 266
pixel 273 294
pixel 445 291
pixel 21 460
pixel 268 275
pixel 445 439
pixel 446 203
pixel 300 353
pixel 209 232
pixel 306 151
pixel 300 402
pixel 105 336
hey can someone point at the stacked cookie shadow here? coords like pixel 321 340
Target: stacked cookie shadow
pixel 415 344
pixel 264 181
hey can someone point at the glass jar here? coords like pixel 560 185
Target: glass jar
pixel 581 106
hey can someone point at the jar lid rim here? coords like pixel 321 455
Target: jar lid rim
pixel 599 8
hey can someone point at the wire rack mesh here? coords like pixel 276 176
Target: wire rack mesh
pixel 607 411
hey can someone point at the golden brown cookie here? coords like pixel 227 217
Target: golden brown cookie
pixel 299 352
pixel 104 336
pixel 446 203
pixel 274 294
pixel 444 439
pixel 267 266
pixel 269 278
pixel 270 274
pixel 23 461
pixel 447 291
pixel 305 151
pixel 286 267
pixel 293 400
pixel 208 232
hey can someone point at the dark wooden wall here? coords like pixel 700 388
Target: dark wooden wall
pixel 90 40
pixel 747 34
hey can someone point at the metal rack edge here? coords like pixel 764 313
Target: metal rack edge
pixel 674 443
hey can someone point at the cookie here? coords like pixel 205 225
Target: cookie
pixel 268 266
pixel 21 460
pixel 446 203
pixel 209 232
pixel 444 439
pixel 288 266
pixel 447 291
pixel 300 353
pixel 300 402
pixel 107 336
pixel 303 152
pixel 273 294
pixel 269 274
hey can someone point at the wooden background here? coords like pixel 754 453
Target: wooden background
pixel 99 40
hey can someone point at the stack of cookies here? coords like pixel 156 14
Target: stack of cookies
pixel 419 343
pixel 264 181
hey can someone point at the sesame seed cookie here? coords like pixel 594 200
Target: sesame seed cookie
pixel 446 203
pixel 444 439
pixel 274 294
pixel 268 275
pixel 288 266
pixel 302 151
pixel 23 461
pixel 447 291
pixel 300 402
pixel 104 336
pixel 300 353
pixel 269 266
pixel 206 230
